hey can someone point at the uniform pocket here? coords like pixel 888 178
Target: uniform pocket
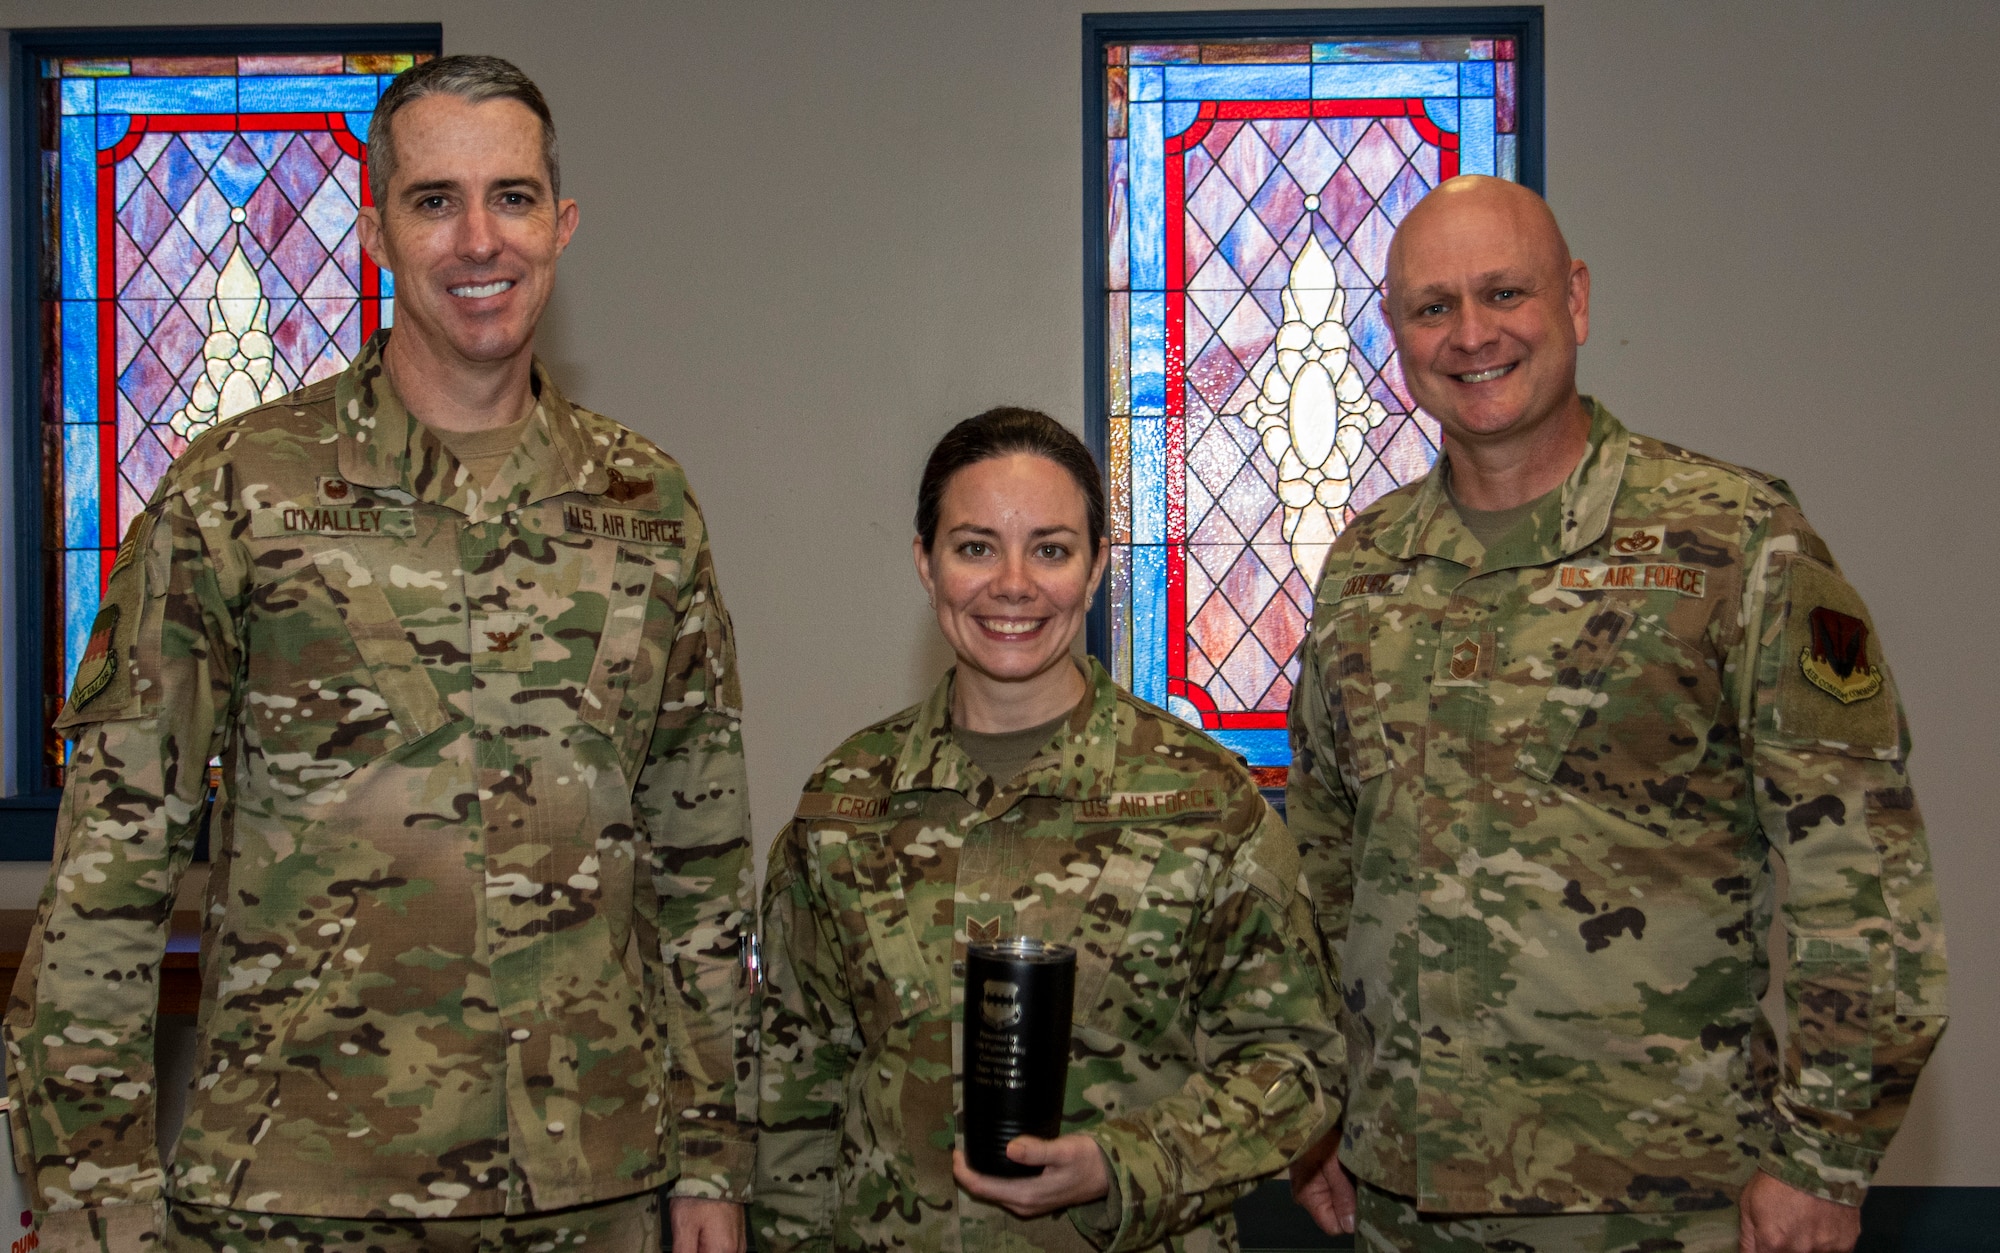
pixel 1360 732
pixel 333 681
pixel 1836 983
pixel 1576 691
pixel 622 694
pixel 890 974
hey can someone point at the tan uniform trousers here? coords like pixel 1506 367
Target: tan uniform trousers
pixel 628 1225
pixel 1387 1223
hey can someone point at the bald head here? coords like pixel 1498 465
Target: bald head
pixel 1478 204
pixel 1489 309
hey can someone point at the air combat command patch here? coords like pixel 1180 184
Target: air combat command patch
pixel 98 667
pixel 1837 659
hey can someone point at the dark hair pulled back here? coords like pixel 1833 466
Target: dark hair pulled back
pixel 998 433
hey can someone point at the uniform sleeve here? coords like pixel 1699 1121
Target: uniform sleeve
pixel 1318 807
pixel 1865 983
pixel 694 800
pixel 807 1050
pixel 147 707
pixel 1267 1045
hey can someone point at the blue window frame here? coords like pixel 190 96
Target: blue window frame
pixel 1243 174
pixel 185 248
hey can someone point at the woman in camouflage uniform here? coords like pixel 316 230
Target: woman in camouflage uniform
pixel 1030 796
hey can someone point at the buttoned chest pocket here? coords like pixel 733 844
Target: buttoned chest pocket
pixel 333 680
pixel 1135 937
pixel 621 698
pixel 888 964
pixel 1627 711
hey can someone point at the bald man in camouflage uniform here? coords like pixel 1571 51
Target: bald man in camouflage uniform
pixel 1562 703
pixel 1202 1037
pixel 470 951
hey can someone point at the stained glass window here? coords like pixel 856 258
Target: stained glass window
pixel 1252 402
pixel 198 256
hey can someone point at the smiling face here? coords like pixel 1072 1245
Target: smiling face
pixel 470 228
pixel 1010 574
pixel 1488 310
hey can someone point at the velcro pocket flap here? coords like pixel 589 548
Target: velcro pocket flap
pixel 1354 672
pixel 1837 983
pixel 395 669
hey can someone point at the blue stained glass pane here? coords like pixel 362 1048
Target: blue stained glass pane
pixel 1475 137
pixel 1181 115
pixel 1372 81
pixel 1239 82
pixel 79 358
pixel 1149 481
pixel 1149 264
pixel 1149 352
pixel 79 95
pixel 167 95
pixel 1118 597
pixel 111 128
pixel 357 123
pixel 1505 160
pixel 1475 78
pixel 237 171
pixel 80 502
pixel 1261 746
pixel 81 571
pixel 79 208
pixel 1149 623
pixel 319 93
pixel 1442 112
pixel 1147 82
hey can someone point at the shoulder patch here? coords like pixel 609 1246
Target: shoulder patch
pixel 835 805
pixel 100 661
pixel 1832 683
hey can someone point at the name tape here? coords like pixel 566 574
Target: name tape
pixel 1391 584
pixel 851 808
pixel 1636 577
pixel 297 520
pixel 1123 805
pixel 617 524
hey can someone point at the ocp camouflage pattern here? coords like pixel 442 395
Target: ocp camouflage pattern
pixel 1203 1038
pixel 481 858
pixel 1538 790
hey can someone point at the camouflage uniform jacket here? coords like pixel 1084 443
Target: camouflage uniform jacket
pixel 1203 1035
pixel 481 854
pixel 1537 790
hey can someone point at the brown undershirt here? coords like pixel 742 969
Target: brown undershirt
pixel 1002 754
pixel 1490 526
pixel 483 452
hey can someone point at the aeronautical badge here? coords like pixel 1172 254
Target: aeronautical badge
pixel 1837 659
pixel 1643 542
pixel 98 667
pixel 624 489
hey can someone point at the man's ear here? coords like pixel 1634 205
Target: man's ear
pixel 1579 300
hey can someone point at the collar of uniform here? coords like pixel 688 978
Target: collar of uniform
pixel 931 760
pixel 1432 527
pixel 382 445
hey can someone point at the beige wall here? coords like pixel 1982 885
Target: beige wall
pixel 812 233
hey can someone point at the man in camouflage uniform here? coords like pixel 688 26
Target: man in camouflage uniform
pixel 1541 765
pixel 481 857
pixel 1201 1041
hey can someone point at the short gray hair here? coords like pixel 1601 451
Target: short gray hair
pixel 471 78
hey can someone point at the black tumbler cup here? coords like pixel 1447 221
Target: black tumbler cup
pixel 1016 1064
